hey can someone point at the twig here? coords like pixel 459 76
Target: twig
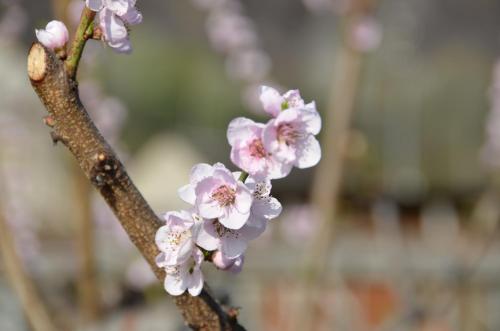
pixel 33 306
pixel 83 33
pixel 55 84
pixel 88 290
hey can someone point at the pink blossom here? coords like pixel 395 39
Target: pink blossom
pixel 114 17
pixel 175 239
pixel 233 243
pixel 184 276
pixel 366 34
pixel 215 193
pixel 290 136
pixel 55 35
pixel 273 102
pixel 248 151
pixel 179 256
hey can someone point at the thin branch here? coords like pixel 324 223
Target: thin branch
pixel 33 306
pixel 88 290
pixel 82 34
pixel 73 127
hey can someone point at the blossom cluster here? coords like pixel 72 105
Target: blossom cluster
pixel 114 17
pixel 229 209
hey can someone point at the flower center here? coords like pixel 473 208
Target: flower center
pixel 257 149
pixel 287 133
pixel 224 195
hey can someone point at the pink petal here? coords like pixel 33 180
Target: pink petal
pixel 271 100
pixel 195 282
pixel 233 219
pixel 233 247
pixel 308 152
pixel 240 129
pixel 186 193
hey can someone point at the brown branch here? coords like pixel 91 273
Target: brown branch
pixel 33 306
pixel 73 127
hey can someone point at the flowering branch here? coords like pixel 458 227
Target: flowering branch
pixel 72 126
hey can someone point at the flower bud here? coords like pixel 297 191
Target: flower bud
pixel 222 262
pixel 55 35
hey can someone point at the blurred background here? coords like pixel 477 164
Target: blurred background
pixel 395 229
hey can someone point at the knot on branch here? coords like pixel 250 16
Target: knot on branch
pixel 105 170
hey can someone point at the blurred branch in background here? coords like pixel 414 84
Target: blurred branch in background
pixel 34 308
pixel 88 290
pixel 336 131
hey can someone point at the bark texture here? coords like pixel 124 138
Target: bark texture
pixel 73 127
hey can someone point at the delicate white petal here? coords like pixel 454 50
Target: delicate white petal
pixel 243 200
pixel 233 247
pixel 199 172
pixel 207 240
pixel 225 177
pixel 293 99
pixel 187 194
pixel 184 251
pixel 114 29
pixel 95 5
pixel 132 16
pixel 312 121
pixel 251 232
pixel 233 219
pixel 122 46
pixel 174 284
pixel 118 7
pixel 271 100
pixel 210 209
pixel 308 153
pixel 195 282
pixel 240 129
pixel 267 208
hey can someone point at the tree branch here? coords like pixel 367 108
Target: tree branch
pixel 33 306
pixel 72 126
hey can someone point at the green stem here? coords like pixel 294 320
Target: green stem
pixel 82 34
pixel 243 176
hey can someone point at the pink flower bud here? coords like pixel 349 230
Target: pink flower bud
pixel 55 35
pixel 222 262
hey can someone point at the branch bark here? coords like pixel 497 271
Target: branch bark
pixel 72 126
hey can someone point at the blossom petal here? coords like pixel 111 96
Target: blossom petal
pixel 210 209
pixel 267 208
pixel 271 100
pixel 233 219
pixel 187 194
pixel 132 16
pixel 199 172
pixel 311 120
pixel 240 129
pixel 243 200
pixel 205 239
pixel 195 282
pixel 174 284
pixel 233 247
pixel 94 5
pixel 308 152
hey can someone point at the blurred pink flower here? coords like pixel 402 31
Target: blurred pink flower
pixel 55 35
pixel 366 34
